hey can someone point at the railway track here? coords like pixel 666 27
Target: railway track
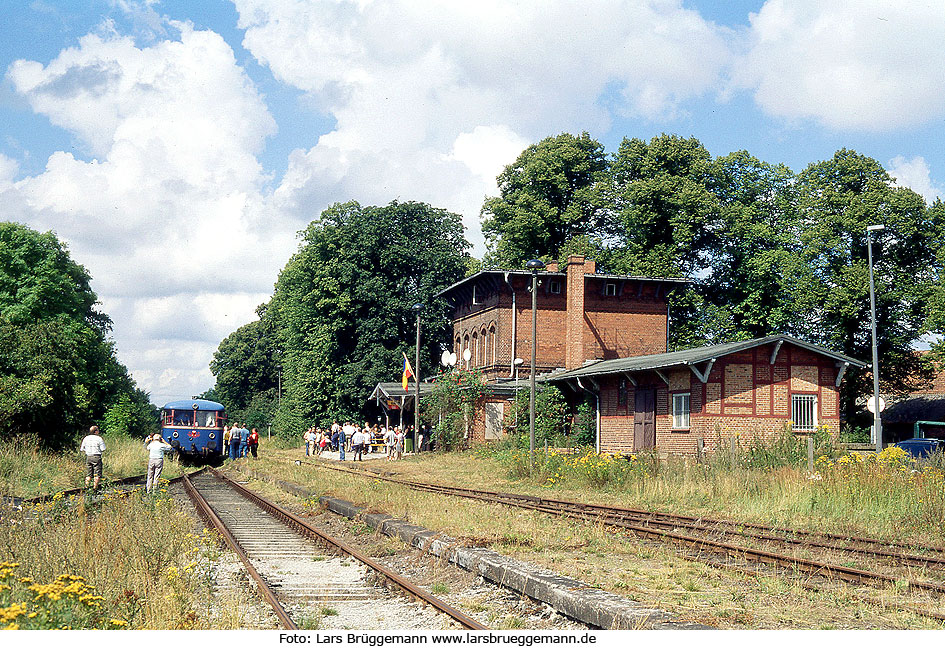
pixel 705 534
pixel 286 557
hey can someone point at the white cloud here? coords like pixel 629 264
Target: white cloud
pixel 168 213
pixel 429 97
pixel 868 65
pixel 915 174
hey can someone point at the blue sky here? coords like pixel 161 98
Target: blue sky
pixel 179 145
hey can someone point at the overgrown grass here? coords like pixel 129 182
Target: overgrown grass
pixel 27 471
pixel 132 562
pixel 889 496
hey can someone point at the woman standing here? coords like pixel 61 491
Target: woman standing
pixel 252 442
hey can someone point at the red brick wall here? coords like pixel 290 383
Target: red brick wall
pixel 745 397
pixel 594 327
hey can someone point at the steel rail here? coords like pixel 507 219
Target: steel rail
pixel 735 527
pixel 207 513
pixel 307 529
pixel 553 507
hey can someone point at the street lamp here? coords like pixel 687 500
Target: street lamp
pixel 534 266
pixel 877 420
pixel 416 369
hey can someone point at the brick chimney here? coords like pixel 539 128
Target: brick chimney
pixel 551 267
pixel 574 332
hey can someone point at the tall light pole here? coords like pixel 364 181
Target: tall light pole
pixel 534 266
pixel 877 419
pixel 416 370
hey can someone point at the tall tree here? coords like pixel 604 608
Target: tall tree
pixel 246 363
pixel 755 251
pixel 548 196
pixel 58 370
pixel 663 210
pixel 837 200
pixel 342 304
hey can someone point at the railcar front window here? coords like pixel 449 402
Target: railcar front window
pixel 206 418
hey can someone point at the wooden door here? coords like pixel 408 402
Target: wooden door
pixel 644 419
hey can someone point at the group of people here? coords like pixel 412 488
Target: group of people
pixel 94 445
pixel 356 440
pixel 240 441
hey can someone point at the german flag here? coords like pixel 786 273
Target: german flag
pixel 408 372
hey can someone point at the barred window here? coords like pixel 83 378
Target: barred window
pixel 804 412
pixel 680 410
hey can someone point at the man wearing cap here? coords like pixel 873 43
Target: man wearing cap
pixel 157 447
pixel 93 445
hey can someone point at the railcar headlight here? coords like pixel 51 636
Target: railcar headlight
pixel 212 436
pixel 175 434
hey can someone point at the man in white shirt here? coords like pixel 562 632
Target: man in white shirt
pixel 93 445
pixel 156 450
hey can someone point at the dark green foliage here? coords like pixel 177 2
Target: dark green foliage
pixel 58 371
pixel 245 365
pixel 546 197
pixel 769 251
pixel 550 419
pixel 451 407
pixel 341 317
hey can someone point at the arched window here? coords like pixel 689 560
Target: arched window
pixel 484 347
pixel 493 356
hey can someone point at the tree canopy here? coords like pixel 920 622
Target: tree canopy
pixel 58 369
pixel 770 251
pixel 341 317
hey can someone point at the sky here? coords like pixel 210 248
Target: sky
pixel 178 146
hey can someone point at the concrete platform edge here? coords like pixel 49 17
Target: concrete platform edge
pixel 567 596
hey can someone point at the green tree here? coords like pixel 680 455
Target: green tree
pixel 58 370
pixel 837 200
pixel 246 363
pixel 548 196
pixel 342 308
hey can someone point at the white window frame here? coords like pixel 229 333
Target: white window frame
pixel 681 410
pixel 554 286
pixel 610 288
pixel 804 412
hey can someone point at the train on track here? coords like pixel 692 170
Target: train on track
pixel 194 428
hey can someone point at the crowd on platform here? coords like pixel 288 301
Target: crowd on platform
pixel 358 441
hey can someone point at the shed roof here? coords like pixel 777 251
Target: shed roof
pixel 690 357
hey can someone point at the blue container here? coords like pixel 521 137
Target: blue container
pixel 921 447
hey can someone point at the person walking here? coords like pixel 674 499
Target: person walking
pixel 252 442
pixel 93 445
pixel 388 442
pixel 157 447
pixel 226 438
pixel 234 441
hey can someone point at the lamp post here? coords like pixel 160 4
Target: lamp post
pixel 534 266
pixel 416 369
pixel 877 419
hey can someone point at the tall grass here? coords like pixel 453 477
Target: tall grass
pixel 137 560
pixel 890 495
pixel 26 470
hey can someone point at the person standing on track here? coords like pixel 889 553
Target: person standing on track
pixel 93 445
pixel 156 450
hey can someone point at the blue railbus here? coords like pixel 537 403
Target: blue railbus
pixel 194 427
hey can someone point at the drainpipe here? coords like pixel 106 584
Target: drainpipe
pixel 597 408
pixel 514 325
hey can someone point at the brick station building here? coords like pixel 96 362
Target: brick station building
pixel 605 337
pixel 677 401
